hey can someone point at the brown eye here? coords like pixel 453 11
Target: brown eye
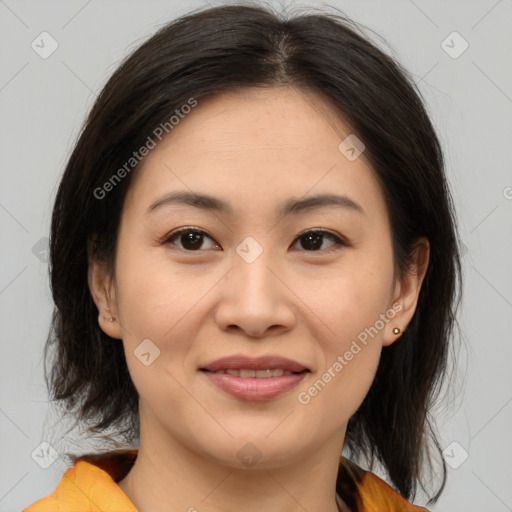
pixel 191 239
pixel 313 240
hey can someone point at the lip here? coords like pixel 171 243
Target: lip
pixel 254 389
pixel 240 361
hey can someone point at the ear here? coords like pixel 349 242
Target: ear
pixel 101 286
pixel 406 292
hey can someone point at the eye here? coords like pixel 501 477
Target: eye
pixel 191 239
pixel 313 239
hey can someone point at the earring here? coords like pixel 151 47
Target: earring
pixel 396 330
pixel 111 319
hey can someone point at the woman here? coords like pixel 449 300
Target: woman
pixel 254 263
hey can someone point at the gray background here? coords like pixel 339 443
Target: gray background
pixel 43 103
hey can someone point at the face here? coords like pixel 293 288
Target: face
pixel 254 275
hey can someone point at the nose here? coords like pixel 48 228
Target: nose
pixel 256 299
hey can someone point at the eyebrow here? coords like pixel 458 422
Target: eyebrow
pixel 292 206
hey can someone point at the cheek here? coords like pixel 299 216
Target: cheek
pixel 155 304
pixel 155 294
pixel 346 303
pixel 341 384
pixel 348 308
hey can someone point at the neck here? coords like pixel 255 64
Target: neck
pixel 168 476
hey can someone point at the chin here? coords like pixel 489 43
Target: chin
pixel 255 449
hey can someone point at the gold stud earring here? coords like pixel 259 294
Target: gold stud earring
pixel 396 330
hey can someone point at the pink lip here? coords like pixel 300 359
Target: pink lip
pixel 252 388
pixel 239 361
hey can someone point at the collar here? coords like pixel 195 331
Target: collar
pixel 91 485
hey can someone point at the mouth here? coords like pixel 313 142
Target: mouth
pixel 245 364
pixel 247 373
pixel 255 379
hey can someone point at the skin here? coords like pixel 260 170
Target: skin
pixel 253 149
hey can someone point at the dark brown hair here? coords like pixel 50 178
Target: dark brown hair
pixel 233 47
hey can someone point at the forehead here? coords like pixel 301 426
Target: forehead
pixel 257 146
pixel 265 118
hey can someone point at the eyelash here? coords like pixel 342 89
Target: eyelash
pixel 339 242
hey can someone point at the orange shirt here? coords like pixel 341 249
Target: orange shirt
pixel 90 486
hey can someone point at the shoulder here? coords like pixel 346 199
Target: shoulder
pixel 366 492
pixel 89 485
